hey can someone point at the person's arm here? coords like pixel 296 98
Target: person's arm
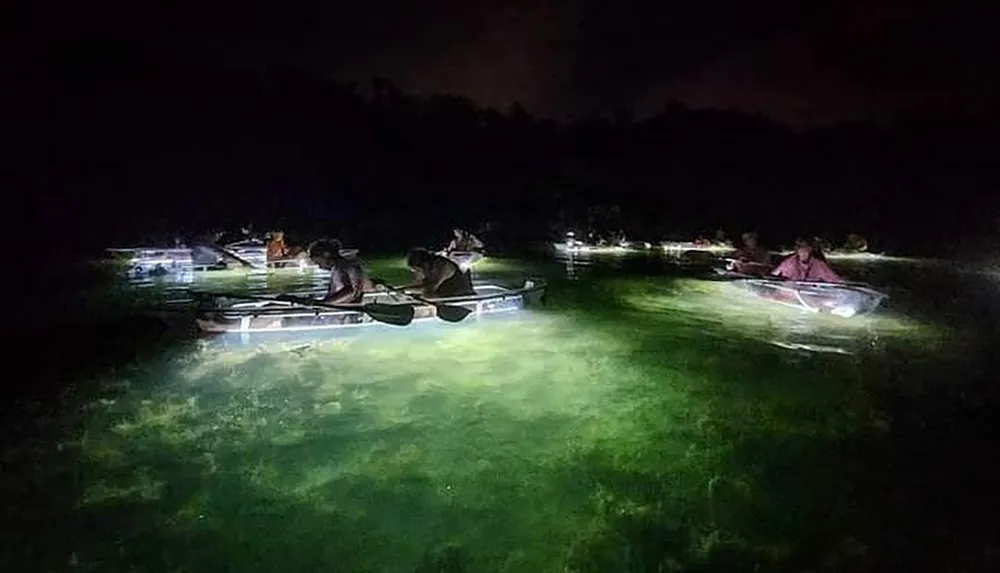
pixel 762 257
pixel 825 274
pixel 420 278
pixel 346 293
pixel 434 280
pixel 476 243
pixel 782 269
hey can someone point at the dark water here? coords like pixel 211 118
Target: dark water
pixel 640 421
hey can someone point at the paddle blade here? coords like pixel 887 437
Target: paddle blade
pixel 394 314
pixel 450 313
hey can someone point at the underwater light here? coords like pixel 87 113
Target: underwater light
pixel 844 311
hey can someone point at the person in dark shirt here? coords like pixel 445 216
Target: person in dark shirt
pixel 751 259
pixel 349 280
pixel 436 276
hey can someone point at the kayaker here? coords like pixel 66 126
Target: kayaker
pixel 820 247
pixel 277 249
pixel 436 276
pixel 751 259
pixel 855 244
pixel 348 278
pixel 721 240
pixel 463 241
pixel 803 266
pixel 205 249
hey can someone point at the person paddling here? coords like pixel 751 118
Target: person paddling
pixel 349 280
pixel 436 276
pixel 803 265
pixel 277 249
pixel 463 241
pixel 751 259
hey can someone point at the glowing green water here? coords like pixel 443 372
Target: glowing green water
pixel 634 424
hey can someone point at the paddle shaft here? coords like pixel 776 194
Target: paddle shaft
pixel 303 302
pixel 413 296
pixel 446 312
pixel 238 258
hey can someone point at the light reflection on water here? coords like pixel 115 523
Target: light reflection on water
pixel 721 305
pixel 534 442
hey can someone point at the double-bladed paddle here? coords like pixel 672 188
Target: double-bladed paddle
pixel 446 312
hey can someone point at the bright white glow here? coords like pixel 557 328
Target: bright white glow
pixel 489 299
pixel 577 247
pixel 688 246
pixel 464 259
pixel 844 311
pixel 253 252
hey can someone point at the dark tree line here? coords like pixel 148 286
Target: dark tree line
pixel 111 153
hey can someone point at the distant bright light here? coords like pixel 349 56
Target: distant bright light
pixel 687 246
pixel 577 247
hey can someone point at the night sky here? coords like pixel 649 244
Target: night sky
pixel 797 62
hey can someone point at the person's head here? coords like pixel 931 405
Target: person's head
pixel 417 257
pixel 803 249
pixel 750 239
pixel 325 253
pixel 459 233
pixel 277 235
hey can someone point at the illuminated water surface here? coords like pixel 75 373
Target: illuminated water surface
pixel 636 423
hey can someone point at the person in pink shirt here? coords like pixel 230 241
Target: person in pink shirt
pixel 803 266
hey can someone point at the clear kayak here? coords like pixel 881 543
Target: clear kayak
pixel 255 251
pixel 679 247
pixel 839 299
pixel 222 315
pixel 153 261
pixel 578 248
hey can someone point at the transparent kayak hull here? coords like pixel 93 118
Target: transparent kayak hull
pixel 578 248
pixel 252 251
pixel 259 316
pixel 255 251
pixel 152 261
pixel 838 299
pixel 678 247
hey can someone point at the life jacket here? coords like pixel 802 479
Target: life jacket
pixel 276 249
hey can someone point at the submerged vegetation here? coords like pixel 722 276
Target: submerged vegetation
pixel 635 424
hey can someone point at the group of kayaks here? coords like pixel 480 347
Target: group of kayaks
pixel 840 299
pixel 217 313
pixel 249 255
pixel 245 313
